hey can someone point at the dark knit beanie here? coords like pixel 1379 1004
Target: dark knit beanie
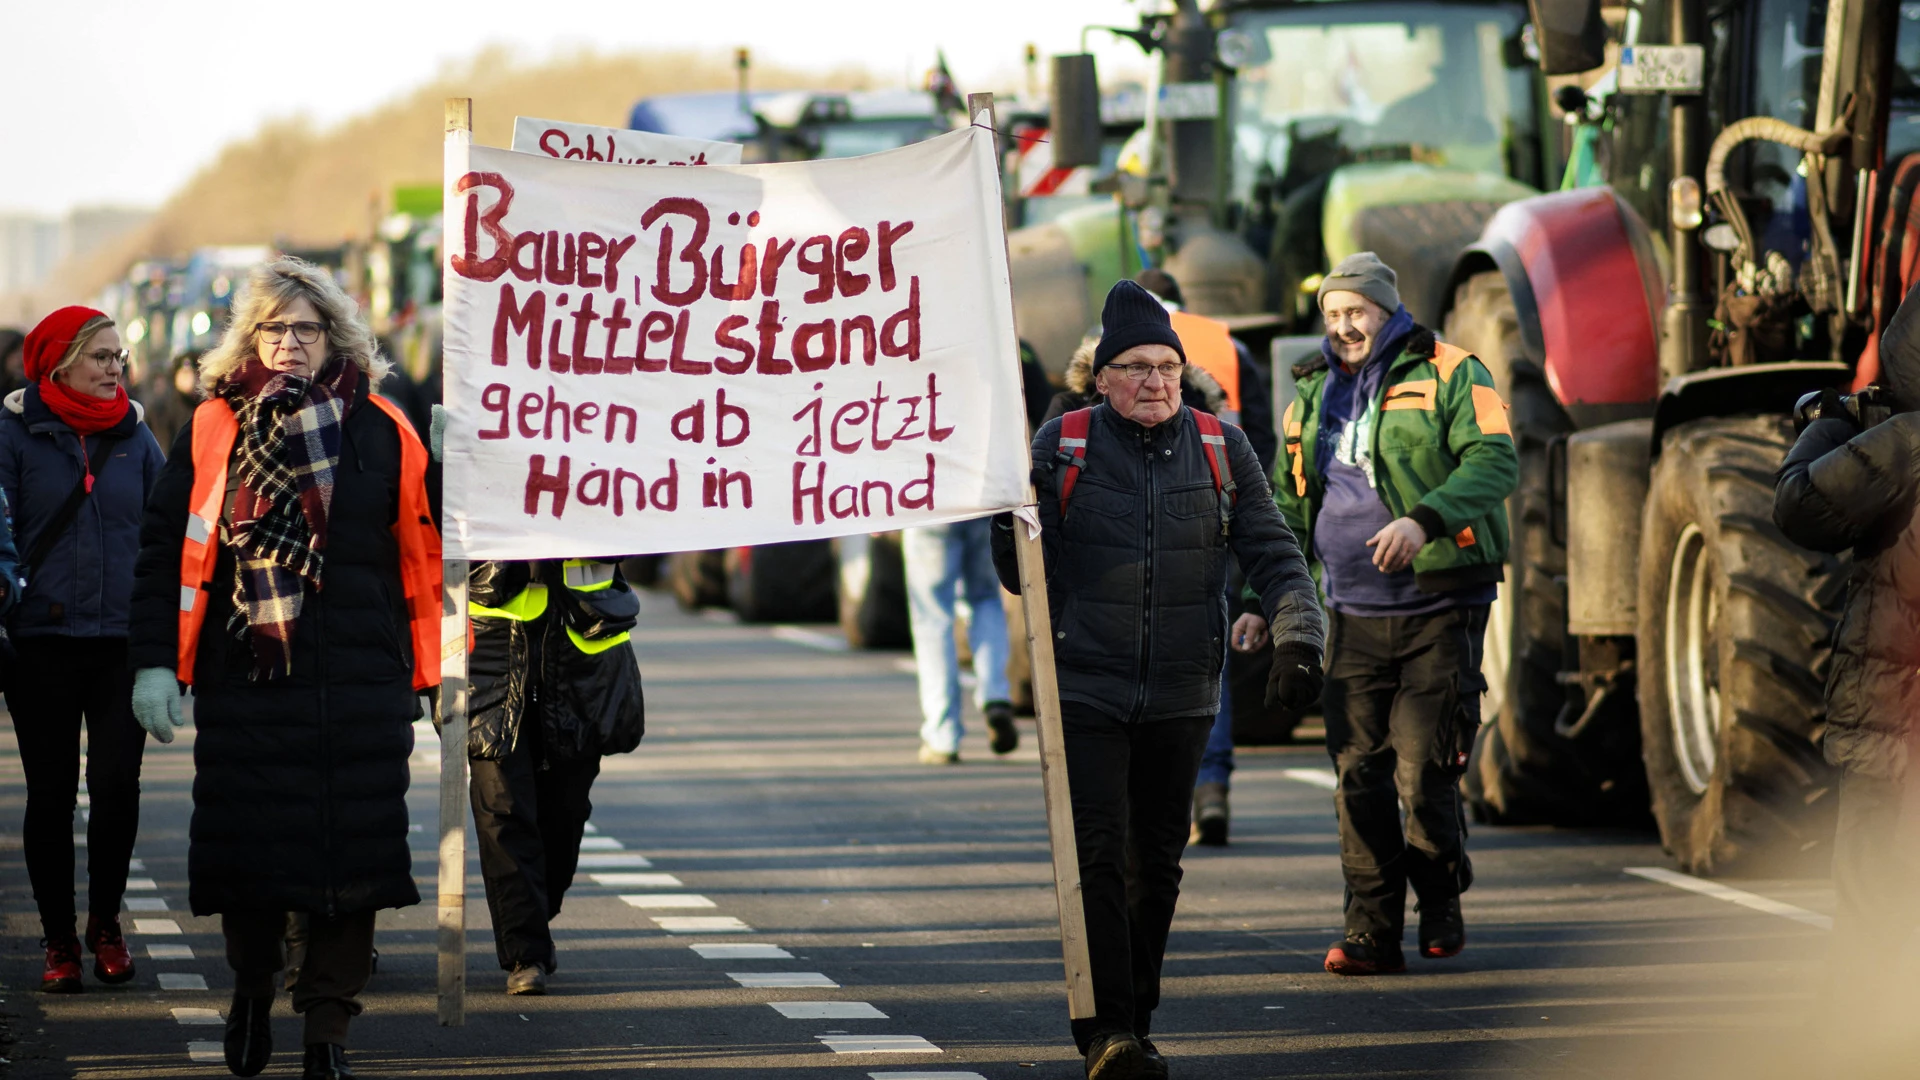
pixel 1132 317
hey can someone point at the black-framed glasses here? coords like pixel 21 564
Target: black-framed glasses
pixel 106 358
pixel 306 333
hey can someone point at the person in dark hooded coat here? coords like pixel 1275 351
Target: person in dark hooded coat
pixel 1852 481
pixel 289 569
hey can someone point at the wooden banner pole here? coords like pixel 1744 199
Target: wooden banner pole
pixel 1046 698
pixel 453 712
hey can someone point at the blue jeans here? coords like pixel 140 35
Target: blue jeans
pixel 1216 763
pixel 945 563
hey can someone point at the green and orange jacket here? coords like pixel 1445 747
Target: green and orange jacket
pixel 1442 451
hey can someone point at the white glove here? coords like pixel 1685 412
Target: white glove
pixel 156 702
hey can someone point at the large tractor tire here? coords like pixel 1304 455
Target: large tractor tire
pixel 1734 629
pixel 1523 771
pixel 791 582
pixel 870 591
pixel 698 579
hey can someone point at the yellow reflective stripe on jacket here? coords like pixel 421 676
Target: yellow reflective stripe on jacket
pixel 590 647
pixel 528 606
pixel 587 575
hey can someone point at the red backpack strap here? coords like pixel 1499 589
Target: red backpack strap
pixel 1214 441
pixel 1072 452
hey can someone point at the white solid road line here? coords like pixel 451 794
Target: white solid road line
pixel 609 861
pixel 667 900
pixel 783 980
pixel 637 881
pixel 169 952
pixel 154 927
pixel 826 1010
pixel 206 1051
pixel 741 952
pixel 700 924
pixel 812 639
pixel 600 843
pixel 1732 895
pixel 181 980
pixel 878 1044
pixel 197 1016
pixel 1320 778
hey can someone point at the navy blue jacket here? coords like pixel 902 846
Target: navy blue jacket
pixel 84 587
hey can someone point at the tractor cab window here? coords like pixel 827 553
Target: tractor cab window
pixel 1322 85
pixel 1903 123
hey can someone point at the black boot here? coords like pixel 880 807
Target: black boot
pixel 1006 737
pixel 1210 815
pixel 1443 932
pixel 249 1041
pixel 326 1061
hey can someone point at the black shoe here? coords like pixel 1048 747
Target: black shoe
pixel 1006 737
pixel 1210 815
pixel 1156 1067
pixel 527 980
pixel 1117 1056
pixel 249 1041
pixel 326 1061
pixel 1365 954
pixel 1443 932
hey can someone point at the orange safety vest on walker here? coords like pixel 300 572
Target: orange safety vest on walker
pixel 214 430
pixel 1209 346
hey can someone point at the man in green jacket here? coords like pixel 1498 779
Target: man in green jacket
pixel 1394 470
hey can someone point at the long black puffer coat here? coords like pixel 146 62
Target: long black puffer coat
pixel 300 783
pixel 588 703
pixel 1137 573
pixel 1842 488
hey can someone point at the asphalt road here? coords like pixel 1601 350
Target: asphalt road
pixel 909 911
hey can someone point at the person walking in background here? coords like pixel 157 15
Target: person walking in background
pixel 289 570
pixel 1143 503
pixel 555 686
pixel 1396 468
pixel 946 564
pixel 76 463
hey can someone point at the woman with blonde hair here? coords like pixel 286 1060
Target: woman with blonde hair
pixel 289 572
pixel 76 463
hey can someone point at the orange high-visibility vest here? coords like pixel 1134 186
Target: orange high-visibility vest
pixel 1209 345
pixel 214 430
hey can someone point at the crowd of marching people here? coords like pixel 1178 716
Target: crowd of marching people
pixel 282 561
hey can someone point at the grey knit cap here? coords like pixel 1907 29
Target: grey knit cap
pixel 1363 273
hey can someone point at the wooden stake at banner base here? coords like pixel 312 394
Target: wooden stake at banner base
pixel 453 721
pixel 1046 703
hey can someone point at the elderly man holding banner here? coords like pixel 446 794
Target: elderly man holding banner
pixel 1142 502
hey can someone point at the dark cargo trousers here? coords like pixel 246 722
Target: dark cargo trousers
pixel 529 820
pixel 1132 804
pixel 1402 701
pixel 337 964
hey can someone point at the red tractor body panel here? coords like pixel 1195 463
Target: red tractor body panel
pixel 1595 293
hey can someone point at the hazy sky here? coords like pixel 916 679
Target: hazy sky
pixel 113 101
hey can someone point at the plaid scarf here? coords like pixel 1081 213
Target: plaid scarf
pixel 289 446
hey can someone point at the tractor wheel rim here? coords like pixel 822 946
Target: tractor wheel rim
pixel 1693 692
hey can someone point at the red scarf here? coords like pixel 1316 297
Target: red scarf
pixel 84 413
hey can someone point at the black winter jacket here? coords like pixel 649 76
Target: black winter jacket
pixel 1137 573
pixel 586 703
pixel 300 783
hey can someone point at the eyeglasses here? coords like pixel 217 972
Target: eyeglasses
pixel 1139 372
pixel 306 333
pixel 107 357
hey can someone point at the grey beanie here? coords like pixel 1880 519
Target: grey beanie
pixel 1363 273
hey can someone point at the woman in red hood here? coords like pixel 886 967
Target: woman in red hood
pixel 76 463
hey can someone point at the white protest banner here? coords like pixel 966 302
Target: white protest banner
pixel 651 359
pixel 587 142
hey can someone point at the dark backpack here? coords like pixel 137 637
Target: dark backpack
pixel 1072 454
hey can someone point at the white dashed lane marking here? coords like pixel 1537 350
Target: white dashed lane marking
pixel 169 952
pixel 155 927
pixel 637 881
pixel 136 864
pixel 206 1052
pixel 667 900
pixel 741 952
pixel 622 861
pixel 1732 895
pixel 141 884
pixel 878 1044
pixel 600 843
pixel 146 903
pixel 812 639
pixel 701 924
pixel 197 1016
pixel 827 1010
pixel 783 980
pixel 180 980
pixel 926 1076
pixel 1320 778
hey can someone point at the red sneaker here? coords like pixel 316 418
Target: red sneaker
pixel 63 967
pixel 112 963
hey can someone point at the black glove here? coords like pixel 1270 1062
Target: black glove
pixel 1294 682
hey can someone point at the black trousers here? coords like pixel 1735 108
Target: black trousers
pixel 1132 804
pixel 59 683
pixel 337 964
pixel 529 814
pixel 1402 698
